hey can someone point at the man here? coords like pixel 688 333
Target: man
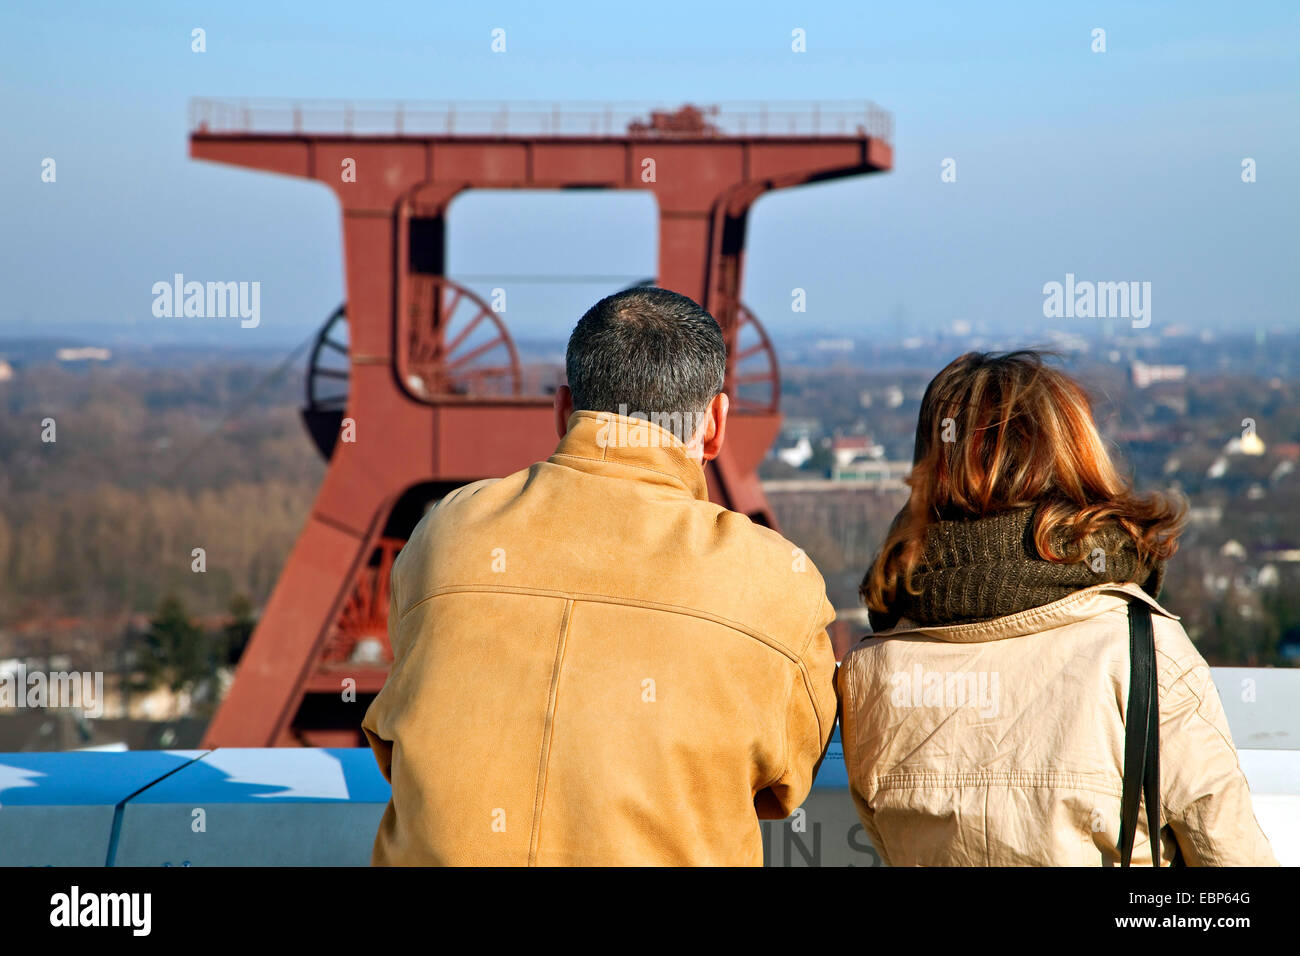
pixel 594 665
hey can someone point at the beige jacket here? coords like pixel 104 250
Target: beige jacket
pixel 1002 743
pixel 595 665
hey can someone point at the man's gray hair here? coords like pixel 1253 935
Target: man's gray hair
pixel 649 352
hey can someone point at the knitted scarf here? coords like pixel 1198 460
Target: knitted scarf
pixel 982 568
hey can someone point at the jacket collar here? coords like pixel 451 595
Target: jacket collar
pixel 1079 606
pixel 644 450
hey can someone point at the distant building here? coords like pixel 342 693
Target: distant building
pixel 1144 375
pixel 878 473
pixel 1205 514
pixel 833 345
pixel 89 353
pixel 850 448
pixel 795 428
pixel 1068 342
pixel 6 371
pixel 795 455
pixel 1248 444
pixel 1288 555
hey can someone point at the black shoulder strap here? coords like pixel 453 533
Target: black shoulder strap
pixel 1141 737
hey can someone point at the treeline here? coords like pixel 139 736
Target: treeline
pixel 144 467
pixel 109 548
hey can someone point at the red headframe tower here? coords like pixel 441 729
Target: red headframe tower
pixel 415 386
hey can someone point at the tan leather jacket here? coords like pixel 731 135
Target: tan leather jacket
pixel 1002 743
pixel 596 665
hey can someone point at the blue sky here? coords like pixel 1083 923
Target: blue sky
pixel 1123 165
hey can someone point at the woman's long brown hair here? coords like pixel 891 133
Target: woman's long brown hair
pixel 1004 431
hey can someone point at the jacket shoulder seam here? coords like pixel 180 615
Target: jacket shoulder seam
pixel 1200 702
pixel 1027 617
pixel 770 642
pixel 592 598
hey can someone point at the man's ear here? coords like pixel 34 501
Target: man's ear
pixel 715 428
pixel 563 409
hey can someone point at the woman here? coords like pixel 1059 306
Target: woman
pixel 983 723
